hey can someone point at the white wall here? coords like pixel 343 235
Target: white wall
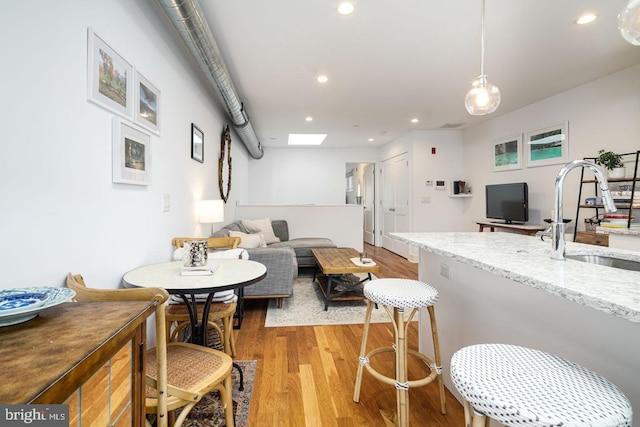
pixel 433 210
pixel 60 211
pixel 602 114
pixel 295 176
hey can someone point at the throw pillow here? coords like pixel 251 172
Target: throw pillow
pixel 262 226
pixel 249 241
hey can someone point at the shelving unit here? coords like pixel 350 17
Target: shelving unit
pixel 622 207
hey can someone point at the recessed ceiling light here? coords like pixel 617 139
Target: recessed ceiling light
pixel 370 139
pixel 414 120
pixel 306 138
pixel 323 79
pixel 308 119
pixel 586 18
pixel 345 8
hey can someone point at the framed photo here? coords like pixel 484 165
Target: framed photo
pixel 197 143
pixel 147 103
pixel 548 145
pixel 109 77
pixel 131 154
pixel 506 153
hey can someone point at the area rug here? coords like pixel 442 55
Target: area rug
pixel 306 308
pixel 210 413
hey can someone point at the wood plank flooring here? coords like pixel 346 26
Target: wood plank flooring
pixel 306 374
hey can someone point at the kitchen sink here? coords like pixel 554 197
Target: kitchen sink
pixel 607 261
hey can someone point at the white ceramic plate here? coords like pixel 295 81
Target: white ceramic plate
pixel 52 297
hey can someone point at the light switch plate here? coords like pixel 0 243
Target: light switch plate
pixel 166 202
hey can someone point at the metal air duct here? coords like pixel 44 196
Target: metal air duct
pixel 188 19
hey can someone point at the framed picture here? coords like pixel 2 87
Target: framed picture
pixel 109 78
pixel 197 143
pixel 147 103
pixel 506 153
pixel 131 154
pixel 548 145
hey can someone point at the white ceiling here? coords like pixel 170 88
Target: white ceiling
pixel 391 61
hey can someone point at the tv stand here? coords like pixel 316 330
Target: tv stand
pixel 517 228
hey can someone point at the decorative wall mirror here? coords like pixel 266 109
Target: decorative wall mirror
pixel 224 165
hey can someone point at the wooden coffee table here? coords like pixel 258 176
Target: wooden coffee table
pixel 335 267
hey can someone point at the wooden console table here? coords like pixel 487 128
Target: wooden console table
pixel 89 356
pixel 518 228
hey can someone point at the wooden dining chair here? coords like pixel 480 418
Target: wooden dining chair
pixel 177 315
pixel 178 374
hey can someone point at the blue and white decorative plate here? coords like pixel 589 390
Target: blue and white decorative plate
pixel 24 304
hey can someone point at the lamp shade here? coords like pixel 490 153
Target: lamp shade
pixel 210 211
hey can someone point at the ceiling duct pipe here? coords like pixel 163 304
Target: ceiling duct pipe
pixel 188 19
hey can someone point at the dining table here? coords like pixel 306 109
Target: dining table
pixel 225 274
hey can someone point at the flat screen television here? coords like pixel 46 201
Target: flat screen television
pixel 508 202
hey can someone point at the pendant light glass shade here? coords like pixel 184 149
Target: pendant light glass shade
pixel 483 97
pixel 629 22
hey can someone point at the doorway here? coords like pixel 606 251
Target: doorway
pixel 361 189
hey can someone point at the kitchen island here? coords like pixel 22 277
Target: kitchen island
pixel 504 287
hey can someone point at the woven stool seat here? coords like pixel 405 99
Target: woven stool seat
pixel 396 295
pixel 521 386
pixel 400 293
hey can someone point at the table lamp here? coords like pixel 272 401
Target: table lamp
pixel 210 211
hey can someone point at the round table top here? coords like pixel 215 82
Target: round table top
pixel 228 274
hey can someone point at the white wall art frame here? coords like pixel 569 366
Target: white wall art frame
pixel 506 153
pixel 131 154
pixel 147 104
pixel 548 145
pixel 109 77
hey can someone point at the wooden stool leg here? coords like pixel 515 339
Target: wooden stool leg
pixel 402 380
pixel 363 350
pixel 438 362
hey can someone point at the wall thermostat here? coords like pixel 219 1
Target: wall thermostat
pixel 439 185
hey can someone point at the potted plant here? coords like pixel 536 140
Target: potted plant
pixel 613 162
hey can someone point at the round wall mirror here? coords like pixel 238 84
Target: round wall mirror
pixel 224 165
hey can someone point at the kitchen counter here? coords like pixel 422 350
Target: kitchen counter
pixel 505 288
pixel 527 260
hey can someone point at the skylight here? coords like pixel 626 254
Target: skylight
pixel 306 138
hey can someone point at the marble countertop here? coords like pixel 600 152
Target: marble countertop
pixel 527 260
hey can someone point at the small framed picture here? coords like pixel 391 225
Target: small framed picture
pixel 507 153
pixel 548 145
pixel 109 78
pixel 131 154
pixel 147 104
pixel 197 143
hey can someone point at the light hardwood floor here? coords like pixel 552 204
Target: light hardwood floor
pixel 305 375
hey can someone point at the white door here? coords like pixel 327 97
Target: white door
pixel 369 204
pixel 395 202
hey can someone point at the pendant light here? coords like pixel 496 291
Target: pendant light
pixel 483 97
pixel 629 22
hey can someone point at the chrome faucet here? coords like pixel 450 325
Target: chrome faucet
pixel 558 225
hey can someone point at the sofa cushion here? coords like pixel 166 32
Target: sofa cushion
pixel 303 245
pixel 261 226
pixel 249 241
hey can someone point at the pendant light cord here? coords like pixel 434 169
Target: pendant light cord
pixel 482 40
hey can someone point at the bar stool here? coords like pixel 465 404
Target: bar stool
pixel 401 294
pixel 520 386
